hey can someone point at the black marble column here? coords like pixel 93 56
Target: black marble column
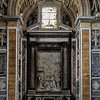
pixel 28 61
pixel 69 62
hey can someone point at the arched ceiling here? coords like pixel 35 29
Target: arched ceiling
pixel 73 8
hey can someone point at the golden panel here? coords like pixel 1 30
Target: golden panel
pixel 85 64
pixel 2 24
pixel 13 23
pixel 96 25
pixel 12 64
pixel 85 25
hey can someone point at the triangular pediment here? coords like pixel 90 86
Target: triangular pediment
pixel 61 27
pixel 33 27
pixel 65 27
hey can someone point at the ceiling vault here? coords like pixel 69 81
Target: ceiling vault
pixel 73 8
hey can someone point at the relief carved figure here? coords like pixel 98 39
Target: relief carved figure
pixel 96 39
pixel 49 72
pixel 96 6
pixel 41 80
pixel 3 39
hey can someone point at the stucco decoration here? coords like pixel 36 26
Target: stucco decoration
pixel 3 6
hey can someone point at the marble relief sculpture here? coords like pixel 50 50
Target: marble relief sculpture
pixel 3 39
pixel 96 39
pixel 49 73
pixel 96 6
pixel 3 5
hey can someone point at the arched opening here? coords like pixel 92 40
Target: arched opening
pixel 49 40
pixel 47 47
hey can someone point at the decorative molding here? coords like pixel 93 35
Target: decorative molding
pixel 11 18
pixel 87 19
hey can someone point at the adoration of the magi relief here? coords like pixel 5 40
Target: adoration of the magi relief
pixel 49 71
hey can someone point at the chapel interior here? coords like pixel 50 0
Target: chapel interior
pixel 49 49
